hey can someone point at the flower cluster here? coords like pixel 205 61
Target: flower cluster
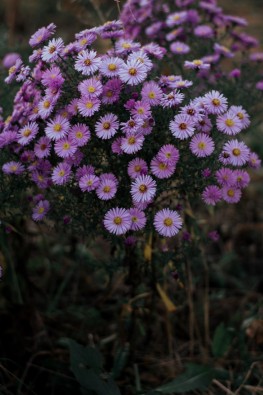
pixel 125 145
pixel 198 30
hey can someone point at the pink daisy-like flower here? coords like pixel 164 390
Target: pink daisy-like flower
pixel 204 126
pixel 80 134
pixel 132 125
pixel 194 110
pixel 204 31
pixel 172 99
pixel 141 109
pixel 89 182
pixel 137 167
pixel 116 146
pixel 40 210
pixel 225 176
pixel 242 115
pixel 212 194
pixel 90 87
pixel 124 46
pixel 179 48
pixel 229 123
pixel 181 84
pixel 138 218
pixel 238 152
pixel 202 145
pixel 141 57
pixel 222 50
pixel 167 222
pixel 151 93
pixel 143 189
pixel 52 78
pixel 215 103
pixel 132 143
pixel 61 173
pixel 42 147
pixel 133 72
pixel 44 108
pixel 51 52
pixel 107 126
pixel 254 162
pixel 27 133
pixel 111 91
pixel 168 154
pixel 40 36
pixel 87 62
pixel 72 107
pixel 13 168
pixel 117 221
pixel 110 66
pixel 231 194
pixel 65 147
pixel 107 188
pixel 241 178
pixel 162 169
pixel 196 64
pixel 88 106
pixel 182 126
pixel 176 18
pixel 57 128
pixel 84 170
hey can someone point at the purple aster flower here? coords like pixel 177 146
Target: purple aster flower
pixel 132 143
pixel 235 73
pixel 89 182
pixel 85 40
pixel 202 145
pixel 174 34
pixel 179 48
pixel 206 173
pixel 141 109
pixel 75 159
pixel 13 71
pixel 194 110
pixel 133 72
pixel 107 188
pixel 116 146
pixel 40 210
pixel 167 222
pixel 10 59
pixel 229 123
pixel 151 93
pixel 242 115
pixel 253 161
pixel 132 125
pixel 13 168
pixel 168 154
pixel 65 147
pixel 124 46
pixel 231 194
pixel 172 99
pixel 222 50
pixel 196 64
pixel 162 169
pixel 225 176
pixel 255 57
pixel 213 235
pixel 107 126
pixel 42 147
pixel 61 174
pixel 204 31
pixel 241 178
pixel 57 128
pixel 138 219
pixel 45 107
pixel 259 85
pixel 137 167
pixel 87 62
pixel 143 189
pixel 88 106
pixel 176 18
pixel 155 50
pixel 182 126
pixel 204 125
pixel 51 52
pixel 80 134
pixel 238 152
pixel 142 58
pixel 84 170
pixel 41 35
pixel 181 84
pixel 52 78
pixel 110 66
pixel 215 103
pixel 27 133
pixel 117 221
pixel 212 194
pixel 111 91
pixel 91 87
pixel 112 29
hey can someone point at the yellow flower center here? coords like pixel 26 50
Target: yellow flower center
pixel 216 102
pixel 137 168
pixel 106 125
pixel 229 122
pixel 236 151
pixel 231 192
pixel 109 93
pixel 201 145
pixel 182 126
pixel 106 189
pixel 40 210
pixel 126 45
pixel 143 188
pixel 91 89
pixel 140 110
pixel 89 104
pixel 61 173
pixel 134 219
pixel 162 166
pixel 168 222
pixel 13 168
pixel 27 132
pixel 57 127
pixel 40 178
pixel 240 115
pixel 83 41
pixel 12 70
pixel 79 134
pixel 141 60
pixel 89 183
pixel 52 49
pixel 131 140
pixel 46 104
pixel 87 62
pixel 117 220
pixel 132 71
pixel 197 62
pixel 66 146
pixel 151 95
pixel 112 67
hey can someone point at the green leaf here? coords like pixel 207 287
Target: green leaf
pixel 221 341
pixel 196 377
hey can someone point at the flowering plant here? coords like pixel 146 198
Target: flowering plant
pixel 105 143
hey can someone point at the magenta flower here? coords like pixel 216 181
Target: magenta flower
pixel 89 182
pixel 142 58
pixel 202 145
pixel 196 64
pixel 212 194
pixel 254 160
pixel 52 78
pixel 179 48
pixel 13 168
pixel 182 126
pixel 57 128
pixel 87 106
pixel 80 134
pixel 27 133
pixel 91 87
pixel 117 221
pixel 241 178
pixel 65 147
pixel 137 167
pixel 162 169
pixel 168 154
pixel 237 151
pixel 229 123
pixel 44 107
pixel 242 115
pixel 133 72
pixel 84 170
pixel 42 147
pixel 87 62
pixel 194 110
pixel 107 126
pixel 215 103
pixel 41 35
pixel 132 143
pixel 61 174
pixel 107 188
pixel 222 50
pixel 132 125
pixel 177 18
pixel 111 91
pixel 124 46
pixel 143 189
pixel 204 31
pixel 151 93
pixel 231 194
pixel 110 66
pixel 167 222
pixel 138 219
pixel 40 210
pixel 225 176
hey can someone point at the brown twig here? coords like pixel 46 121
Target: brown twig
pixel 246 377
pixel 225 389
